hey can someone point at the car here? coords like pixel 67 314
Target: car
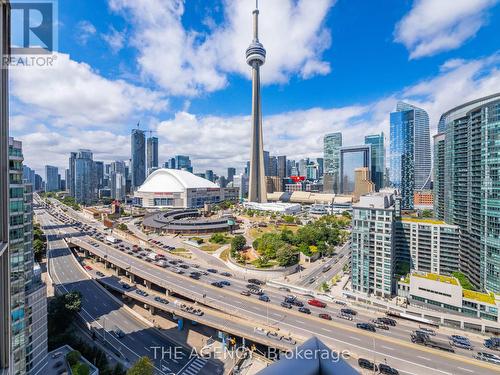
pixel 245 293
pixel 88 268
pixel 260 331
pixel 185 266
pixel 141 293
pixel 387 370
pixel 264 298
pixel 253 286
pixel 173 262
pixel 288 340
pixel 119 333
pixel 459 338
pixel 194 277
pixel 345 316
pixel 284 289
pixel 461 344
pixel 58 364
pixel 316 303
pixel 125 286
pixel 390 322
pixel 257 292
pixel 488 357
pixel 225 282
pixel 492 343
pixel 161 300
pixel 211 270
pixel 304 310
pixel 311 280
pixel 286 305
pixel 217 284
pixel 380 325
pixel 348 311
pixel 342 303
pixel 100 274
pixel 366 327
pixel 256 282
pixel 274 335
pixel 325 316
pixel 366 364
pixel 226 274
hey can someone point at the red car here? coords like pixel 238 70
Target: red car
pixel 88 268
pixel 325 316
pixel 315 302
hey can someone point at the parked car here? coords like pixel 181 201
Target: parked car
pixel 256 281
pixel 488 357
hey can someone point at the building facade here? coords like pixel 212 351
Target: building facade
pixel 373 257
pixel 331 161
pixel 138 153
pixel 351 158
pixel 377 144
pixel 85 178
pixel 469 197
pixel 410 152
pixel 152 154
pixel 51 178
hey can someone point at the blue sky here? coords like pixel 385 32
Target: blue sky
pixel 178 68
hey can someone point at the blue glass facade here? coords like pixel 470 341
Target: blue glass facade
pixel 410 152
pixel 378 159
pixel 138 152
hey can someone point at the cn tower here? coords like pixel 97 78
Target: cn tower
pixel 256 57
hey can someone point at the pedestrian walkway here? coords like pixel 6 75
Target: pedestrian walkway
pixel 194 367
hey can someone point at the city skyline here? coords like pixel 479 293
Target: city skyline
pixel 216 111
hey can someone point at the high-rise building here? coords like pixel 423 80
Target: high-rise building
pixel 331 161
pixel 438 183
pixel 38 182
pixel 241 181
pixel 138 166
pixel 118 180
pixel 99 174
pixel 29 175
pixel 362 183
pixel 410 152
pixel 209 175
pixel 28 294
pixel 320 163
pixel 183 162
pixel 352 157
pixel 256 57
pixel 290 164
pixel 373 258
pixel 5 347
pixel 282 166
pixel 273 166
pixel 230 174
pixel 302 168
pixel 267 163
pixel 470 173
pixel 378 159
pixel 85 180
pixel 152 154
pixel 51 180
pixel 71 175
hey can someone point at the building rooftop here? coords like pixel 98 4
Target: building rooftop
pixel 174 181
pixel 380 200
pixel 422 220
pixel 440 278
pixel 478 296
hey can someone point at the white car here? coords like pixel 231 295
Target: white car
pixel 487 357
pixel 261 331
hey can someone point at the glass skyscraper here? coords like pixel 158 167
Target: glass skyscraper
pixel 85 178
pixel 352 157
pixel 152 154
pixel 331 162
pixel 138 166
pixel 410 152
pixel 51 178
pixel 183 162
pixel 378 159
pixel 470 166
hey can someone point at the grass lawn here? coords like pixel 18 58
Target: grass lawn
pixel 257 232
pixel 210 247
pixel 225 255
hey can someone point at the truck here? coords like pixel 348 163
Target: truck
pixel 432 343
pixel 111 239
pixel 153 256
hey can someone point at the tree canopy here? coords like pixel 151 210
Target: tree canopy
pixel 143 366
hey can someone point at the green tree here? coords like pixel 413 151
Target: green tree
pixel 143 366
pixel 427 213
pixel 238 243
pixel 122 227
pixel 464 281
pixel 118 370
pixel 38 249
pixel 73 357
pixel 218 238
pixel 80 369
pixel 288 219
pixel 286 256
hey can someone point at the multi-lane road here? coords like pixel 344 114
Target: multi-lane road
pixel 105 314
pixel 392 346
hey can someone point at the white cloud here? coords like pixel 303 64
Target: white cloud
pixel 73 94
pixel 115 39
pixel 84 31
pixel 434 26
pixel 188 62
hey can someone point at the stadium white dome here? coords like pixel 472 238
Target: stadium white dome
pixel 174 181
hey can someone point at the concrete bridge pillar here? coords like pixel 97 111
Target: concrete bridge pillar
pixel 132 278
pixel 180 323
pixel 168 292
pixel 147 283
pixel 152 310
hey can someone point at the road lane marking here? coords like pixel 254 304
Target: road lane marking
pixel 424 358
pixel 326 330
pixel 355 338
pixel 465 369
pixel 386 347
